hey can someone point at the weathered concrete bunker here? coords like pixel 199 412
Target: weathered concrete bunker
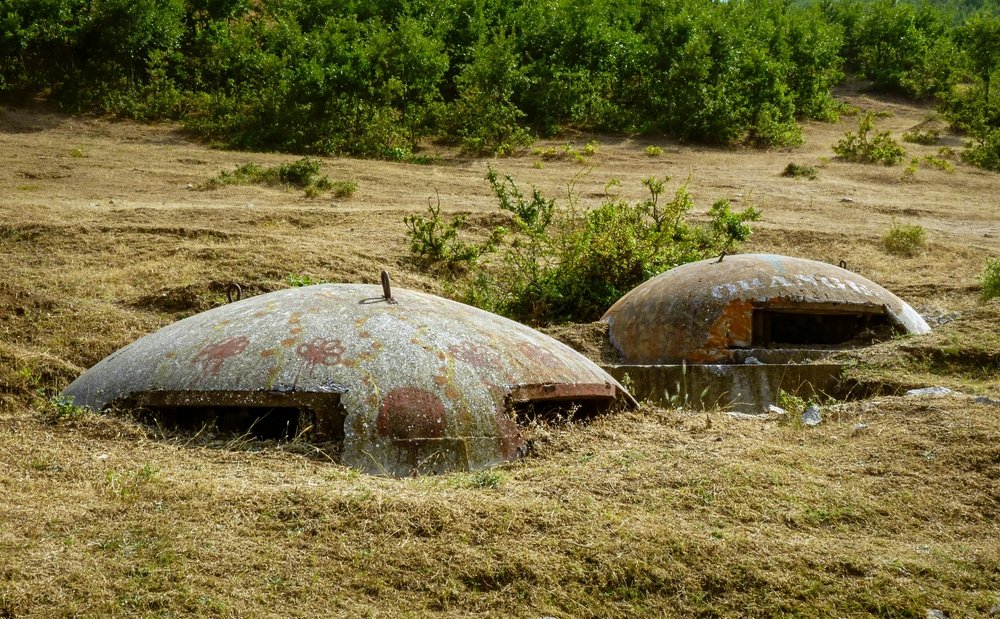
pixel 762 308
pixel 405 382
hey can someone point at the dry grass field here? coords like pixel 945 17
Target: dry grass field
pixel 890 507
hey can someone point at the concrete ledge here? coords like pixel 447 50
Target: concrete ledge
pixel 742 388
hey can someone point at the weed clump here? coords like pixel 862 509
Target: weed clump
pixel 989 280
pixel 433 240
pixel 60 408
pixel 301 174
pixel 298 280
pixel 927 138
pixel 794 170
pixel 861 147
pixel 905 239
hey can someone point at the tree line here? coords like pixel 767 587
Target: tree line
pixel 375 78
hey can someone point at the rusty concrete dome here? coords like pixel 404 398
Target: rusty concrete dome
pixel 713 310
pixel 408 383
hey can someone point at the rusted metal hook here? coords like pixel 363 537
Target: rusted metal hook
pixel 721 256
pixel 842 264
pixel 231 289
pixel 387 288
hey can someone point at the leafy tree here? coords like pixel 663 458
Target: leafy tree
pixel 981 41
pixel 484 115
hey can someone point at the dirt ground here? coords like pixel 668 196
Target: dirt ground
pixel 105 236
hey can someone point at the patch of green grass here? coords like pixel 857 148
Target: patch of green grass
pixel 905 239
pixel 61 408
pixel 301 174
pixel 794 170
pixel 568 151
pixel 297 280
pixel 927 138
pixel 126 484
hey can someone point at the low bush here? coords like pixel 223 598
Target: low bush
pixel 984 151
pixel 861 147
pixel 794 170
pixel 989 280
pixel 905 239
pixel 435 241
pixel 927 138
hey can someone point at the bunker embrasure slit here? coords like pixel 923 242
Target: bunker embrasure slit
pixel 264 416
pixel 815 326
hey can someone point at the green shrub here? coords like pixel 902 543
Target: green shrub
pixel 794 170
pixel 984 151
pixel 989 280
pixel 434 240
pixel 927 138
pixel 905 239
pixel 551 263
pixel 938 162
pixel 860 147
pixel 653 151
pixel 341 189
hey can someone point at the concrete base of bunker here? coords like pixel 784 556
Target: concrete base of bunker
pixel 319 417
pixel 741 388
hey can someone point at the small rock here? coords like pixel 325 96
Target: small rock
pixel 102 457
pixel 858 427
pixel 995 610
pixel 847 200
pixel 752 361
pixel 929 391
pixel 984 400
pixel 811 416
pixel 776 410
pixel 748 416
pixel 933 613
pixel 190 186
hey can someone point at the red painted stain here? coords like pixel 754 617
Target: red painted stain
pixel 320 351
pixel 509 435
pixel 477 355
pixel 409 413
pixel 213 356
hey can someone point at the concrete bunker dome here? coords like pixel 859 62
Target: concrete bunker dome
pixel 408 384
pixel 716 310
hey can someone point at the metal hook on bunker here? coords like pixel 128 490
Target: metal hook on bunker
pixel 234 290
pixel 387 288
